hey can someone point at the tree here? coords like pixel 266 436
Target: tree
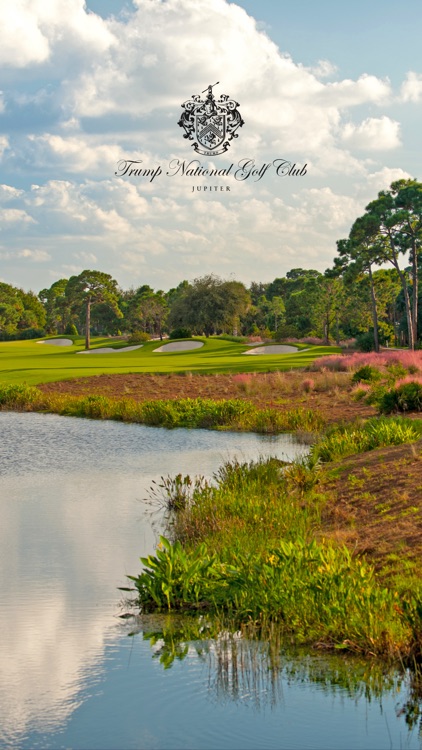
pixel 56 306
pixel 209 304
pixel 408 204
pixel 358 255
pixel 148 310
pixel 19 311
pixel 92 288
pixel 391 241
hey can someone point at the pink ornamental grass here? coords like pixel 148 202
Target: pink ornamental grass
pixel 408 379
pixel 348 362
pixel 308 385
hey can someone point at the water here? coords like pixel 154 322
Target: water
pixel 73 524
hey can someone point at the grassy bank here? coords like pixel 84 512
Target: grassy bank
pixel 233 414
pixel 255 546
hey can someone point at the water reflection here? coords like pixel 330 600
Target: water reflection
pixel 72 527
pixel 252 666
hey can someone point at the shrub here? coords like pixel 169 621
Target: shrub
pixel 180 333
pixel 360 392
pixel 405 396
pixel 71 330
pixel 366 374
pixel 365 342
pixel 138 337
pixel 232 337
pixel 18 395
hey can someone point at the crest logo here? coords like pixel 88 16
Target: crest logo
pixel 213 122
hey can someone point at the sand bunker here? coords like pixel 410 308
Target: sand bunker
pixel 276 349
pixel 109 350
pixel 57 342
pixel 180 346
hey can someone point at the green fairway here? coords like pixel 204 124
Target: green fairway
pixel 33 363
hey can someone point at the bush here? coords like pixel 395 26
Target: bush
pixel 71 330
pixel 138 337
pixel 366 374
pixel 26 333
pixel 405 396
pixel 232 337
pixel 180 333
pixel 365 342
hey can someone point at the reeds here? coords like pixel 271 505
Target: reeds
pixel 233 414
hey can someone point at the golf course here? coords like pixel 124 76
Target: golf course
pixel 34 362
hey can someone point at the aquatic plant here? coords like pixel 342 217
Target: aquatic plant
pixel 246 549
pixel 345 440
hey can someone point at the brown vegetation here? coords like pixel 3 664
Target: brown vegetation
pixel 326 392
pixel 375 506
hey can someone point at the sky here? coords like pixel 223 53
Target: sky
pixel 333 89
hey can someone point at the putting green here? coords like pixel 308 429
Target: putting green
pixel 26 361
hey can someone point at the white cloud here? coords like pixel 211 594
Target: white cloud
pixel 76 153
pixel 4 144
pixel 375 134
pixel 32 30
pixel 347 93
pixel 15 215
pixel 411 89
pixel 9 193
pixel 323 69
pixel 36 256
pixel 122 82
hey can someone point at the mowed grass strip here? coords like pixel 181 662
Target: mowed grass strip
pixel 34 363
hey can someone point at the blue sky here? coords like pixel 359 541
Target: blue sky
pixel 336 86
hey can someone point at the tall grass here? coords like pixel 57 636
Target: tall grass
pixel 234 414
pixel 411 360
pixel 345 440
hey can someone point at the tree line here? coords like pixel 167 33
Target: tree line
pixel 371 293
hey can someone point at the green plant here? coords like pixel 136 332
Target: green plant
pixel 139 337
pixel 357 438
pixel 403 397
pixel 177 578
pixel 71 330
pixel 366 374
pixel 180 333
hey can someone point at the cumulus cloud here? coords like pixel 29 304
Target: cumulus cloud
pixel 411 89
pixel 16 215
pixel 375 134
pixel 105 90
pixel 31 30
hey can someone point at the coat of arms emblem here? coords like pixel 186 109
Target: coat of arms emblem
pixel 213 122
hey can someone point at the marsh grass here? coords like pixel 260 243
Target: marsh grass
pixel 345 440
pixel 234 414
pixel 245 549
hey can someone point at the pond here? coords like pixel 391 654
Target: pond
pixel 73 524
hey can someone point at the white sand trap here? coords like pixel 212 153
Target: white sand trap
pixel 276 349
pixel 57 342
pixel 109 350
pixel 180 346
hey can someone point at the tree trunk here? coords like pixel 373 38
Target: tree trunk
pixel 374 311
pixel 415 293
pixel 88 324
pixel 403 280
pixel 408 309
